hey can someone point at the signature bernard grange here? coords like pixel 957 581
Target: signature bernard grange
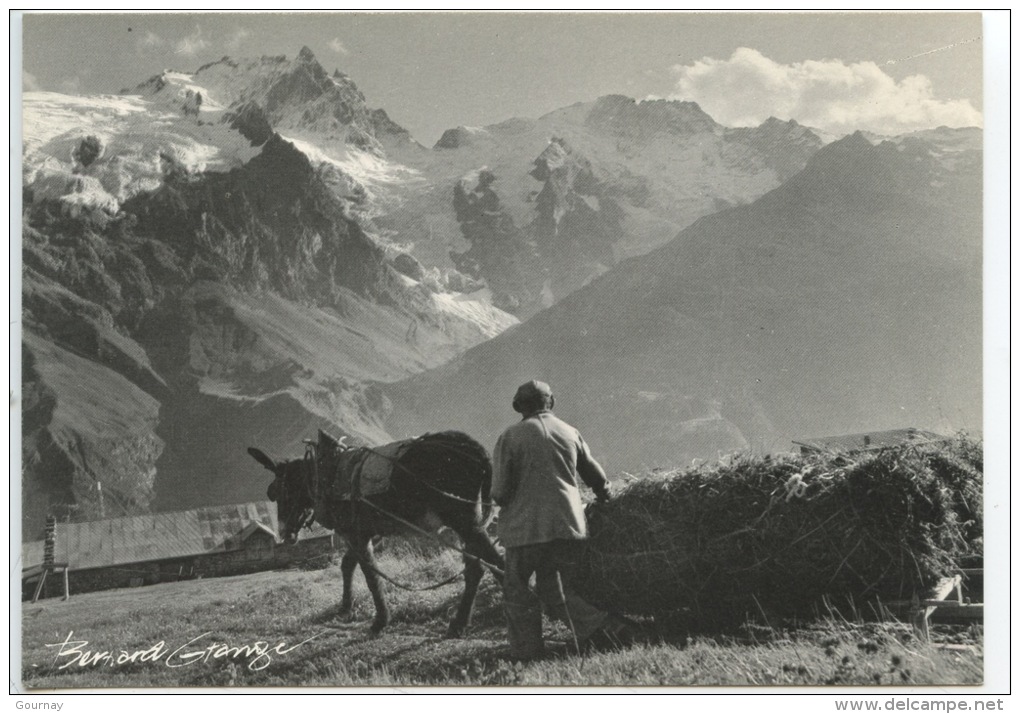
pixel 258 654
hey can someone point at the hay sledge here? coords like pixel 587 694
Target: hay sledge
pixel 787 536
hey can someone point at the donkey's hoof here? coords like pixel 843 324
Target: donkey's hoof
pixel 377 627
pixel 454 632
pixel 345 611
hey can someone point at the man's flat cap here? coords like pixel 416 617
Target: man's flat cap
pixel 532 393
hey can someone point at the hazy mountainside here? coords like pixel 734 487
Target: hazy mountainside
pixel 847 299
pixel 195 283
pixel 575 191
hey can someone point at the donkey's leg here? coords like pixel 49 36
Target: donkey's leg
pixel 491 555
pixel 476 546
pixel 472 576
pixel 363 548
pixel 347 565
pixel 486 550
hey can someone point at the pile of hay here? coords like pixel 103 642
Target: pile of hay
pixel 785 536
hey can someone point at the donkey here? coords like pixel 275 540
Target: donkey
pixel 438 480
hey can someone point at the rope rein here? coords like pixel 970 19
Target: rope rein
pixel 412 589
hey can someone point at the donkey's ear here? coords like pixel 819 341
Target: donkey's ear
pixel 259 456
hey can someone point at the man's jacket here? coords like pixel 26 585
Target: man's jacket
pixel 536 466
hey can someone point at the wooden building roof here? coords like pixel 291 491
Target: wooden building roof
pixel 156 536
pixel 868 441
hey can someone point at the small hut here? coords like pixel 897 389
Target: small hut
pixel 867 441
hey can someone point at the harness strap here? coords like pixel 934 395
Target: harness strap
pixel 395 460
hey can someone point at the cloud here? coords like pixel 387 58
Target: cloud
pixel 29 83
pixel 827 94
pixel 337 46
pixel 71 85
pixel 192 44
pixel 149 41
pixel 236 38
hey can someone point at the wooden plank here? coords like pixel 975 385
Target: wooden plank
pixel 919 622
pixel 33 571
pixel 957 611
pixel 949 604
pixel 39 585
pixel 926 607
pixel 956 647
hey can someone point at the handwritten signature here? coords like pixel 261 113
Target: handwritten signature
pixel 259 654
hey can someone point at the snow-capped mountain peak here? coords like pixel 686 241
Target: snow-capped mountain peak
pixel 101 151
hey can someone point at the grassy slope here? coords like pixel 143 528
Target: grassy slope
pixel 294 605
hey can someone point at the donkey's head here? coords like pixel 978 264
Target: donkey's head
pixel 293 490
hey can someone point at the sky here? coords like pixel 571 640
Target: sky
pixel 838 72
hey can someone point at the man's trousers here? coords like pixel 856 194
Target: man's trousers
pixel 554 564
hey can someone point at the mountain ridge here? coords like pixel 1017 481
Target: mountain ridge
pixel 847 299
pixel 244 254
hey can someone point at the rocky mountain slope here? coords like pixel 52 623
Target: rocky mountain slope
pixel 848 299
pixel 575 191
pixel 196 282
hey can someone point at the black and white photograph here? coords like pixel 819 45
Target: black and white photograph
pixel 507 351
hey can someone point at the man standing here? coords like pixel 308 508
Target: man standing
pixel 536 466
